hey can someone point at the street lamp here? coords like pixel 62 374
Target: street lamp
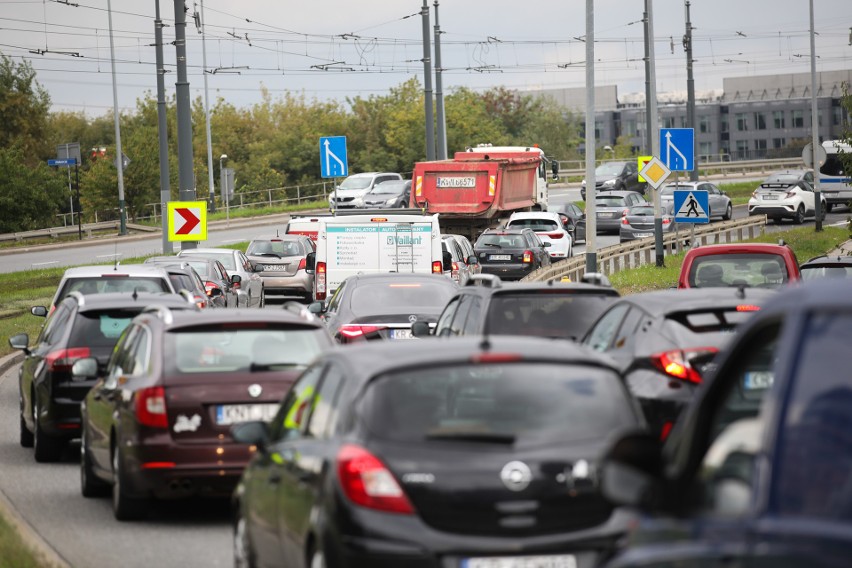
pixel 223 185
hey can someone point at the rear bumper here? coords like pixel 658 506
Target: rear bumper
pixel 286 287
pixel 507 271
pixel 773 211
pixel 608 224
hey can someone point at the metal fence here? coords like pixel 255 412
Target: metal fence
pixel 726 168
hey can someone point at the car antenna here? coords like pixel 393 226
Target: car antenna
pixel 135 294
pixel 115 248
pixel 485 345
pixel 741 291
pixel 276 233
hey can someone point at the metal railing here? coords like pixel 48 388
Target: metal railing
pixel 70 230
pixel 740 167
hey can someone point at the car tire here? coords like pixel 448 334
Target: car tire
pixel 799 217
pixel 262 303
pixel 316 559
pixel 124 508
pixel 828 207
pixel 90 484
pixel 243 554
pixel 27 438
pixel 47 449
pixel 729 213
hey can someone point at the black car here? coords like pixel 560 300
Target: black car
pixel 511 254
pixel 183 277
pixel 80 327
pixel 617 176
pixel 758 470
pixel 826 267
pixel 665 341
pixel 487 306
pixel 388 195
pixel 368 307
pixel 460 452
pixel 573 219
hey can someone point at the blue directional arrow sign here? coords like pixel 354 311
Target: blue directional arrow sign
pixel 63 162
pixel 333 159
pixel 691 206
pixel 677 148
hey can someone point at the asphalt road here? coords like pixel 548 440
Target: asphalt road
pixel 83 531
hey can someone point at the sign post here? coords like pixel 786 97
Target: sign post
pixel 67 163
pixel 334 161
pixel 187 220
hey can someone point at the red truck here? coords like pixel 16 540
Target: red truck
pixel 481 186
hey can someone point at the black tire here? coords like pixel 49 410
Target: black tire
pixel 799 217
pixel 243 553
pixel 316 558
pixel 828 207
pixel 47 449
pixel 90 484
pixel 124 508
pixel 729 213
pixel 27 438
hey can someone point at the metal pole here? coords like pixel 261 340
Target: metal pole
pixel 815 128
pixel 427 84
pixel 212 205
pixel 162 129
pixel 690 91
pixel 591 214
pixel 439 92
pixel 70 188
pixel 653 137
pixel 80 211
pixel 186 177
pixel 649 128
pixel 119 161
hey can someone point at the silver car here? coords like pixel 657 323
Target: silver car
pixel 250 289
pixel 284 263
pixel 112 278
pixel 720 203
pixel 611 206
pixel 456 263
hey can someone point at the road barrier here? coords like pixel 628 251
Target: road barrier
pixel 636 253
pixel 725 169
pixel 71 230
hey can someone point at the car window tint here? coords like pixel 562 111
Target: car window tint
pixel 814 464
pixel 457 326
pixel 137 356
pixel 626 336
pixel 724 270
pixel 101 285
pixel 601 335
pixel 390 297
pixel 325 412
pixel 443 326
pixel 293 414
pixel 334 303
pixel 99 329
pixel 55 325
pixel 547 314
pixel 122 357
pixel 534 224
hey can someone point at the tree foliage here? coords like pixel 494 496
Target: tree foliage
pixel 24 106
pixel 31 194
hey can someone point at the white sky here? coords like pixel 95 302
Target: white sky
pixel 486 43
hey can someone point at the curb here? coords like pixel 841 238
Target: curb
pixel 41 549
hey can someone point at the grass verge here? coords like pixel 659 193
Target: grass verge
pixel 13 551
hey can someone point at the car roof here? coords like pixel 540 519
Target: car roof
pixel 534 215
pixel 392 277
pixel 128 269
pixel 507 230
pixel 508 288
pixel 184 319
pixel 821 293
pixel 826 260
pixel 613 193
pixel 661 302
pixel 207 250
pixel 112 300
pixel 739 248
pixel 284 237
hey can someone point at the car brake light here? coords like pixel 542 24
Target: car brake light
pixel 748 308
pixel 790 194
pixel 490 357
pixel 677 363
pixel 666 221
pixel 354 330
pixel 210 286
pixel 455 272
pixel 754 194
pixel 437 267
pixel 528 257
pixel 303 264
pixel 666 430
pixel 556 235
pixel 63 359
pixel 151 407
pixel 367 482
pixel 624 221
pixel 624 212
pixel 320 281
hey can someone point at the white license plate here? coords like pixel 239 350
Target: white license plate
pixel 500 257
pixel 273 267
pixel 643 235
pixel 758 380
pixel 770 198
pixel 464 182
pixel 235 413
pixel 401 334
pixel 561 561
pixel 604 214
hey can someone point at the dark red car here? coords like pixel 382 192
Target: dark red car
pixel 157 424
pixel 752 265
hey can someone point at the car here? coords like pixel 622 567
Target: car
pixel 639 223
pixel 756 473
pixel 101 279
pixel 549 228
pixel 155 424
pixel 487 306
pixel 719 202
pixel 611 206
pixel 283 263
pixel 461 262
pixel 250 286
pixel 80 326
pixel 183 277
pixel 788 194
pixel 219 287
pixel 761 265
pixel 370 307
pixel 388 195
pixel 665 341
pixel 511 254
pixel 463 452
pixel 351 192
pixel 468 254
pixel 618 176
pixel 573 219
pixel 826 267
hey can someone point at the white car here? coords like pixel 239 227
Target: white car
pixel 548 226
pixel 786 195
pixel 351 192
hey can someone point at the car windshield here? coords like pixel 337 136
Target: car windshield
pixel 226 258
pixel 389 188
pixel 540 225
pixel 815 272
pixel 100 329
pixel 507 240
pixel 551 313
pixel 401 297
pixel 258 346
pixel 360 182
pixel 609 169
pixel 522 403
pixel 612 201
pixel 752 269
pixel 104 284
pixel 275 247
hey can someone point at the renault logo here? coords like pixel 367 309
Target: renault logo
pixel 516 476
pixel 255 390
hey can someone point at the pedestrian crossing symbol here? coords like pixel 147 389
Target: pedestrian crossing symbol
pixel 691 206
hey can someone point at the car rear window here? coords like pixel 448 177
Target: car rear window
pixel 712 320
pixel 276 247
pixel 815 272
pixel 521 403
pixel 393 297
pixel 508 240
pixel 105 284
pixel 182 282
pixel 750 270
pixel 226 258
pixel 609 201
pixel 101 328
pixel 546 314
pixel 534 224
pixel 643 211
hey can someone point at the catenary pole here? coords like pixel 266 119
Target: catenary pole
pixel 119 158
pixel 651 124
pixel 427 84
pixel 439 93
pixel 212 204
pixel 690 91
pixel 162 129
pixel 815 128
pixel 186 176
pixel 591 214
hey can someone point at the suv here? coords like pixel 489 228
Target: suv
pixel 761 265
pixel 117 278
pixel 81 326
pixel 618 176
pixel 788 194
pixel 549 228
pixel 511 253
pixel 563 311
pixel 351 191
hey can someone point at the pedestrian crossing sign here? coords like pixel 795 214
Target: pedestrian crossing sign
pixel 691 206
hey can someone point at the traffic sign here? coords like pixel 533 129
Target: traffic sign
pixel 333 158
pixel 677 148
pixel 63 162
pixel 187 220
pixel 641 161
pixel 655 172
pixel 808 155
pixel 691 206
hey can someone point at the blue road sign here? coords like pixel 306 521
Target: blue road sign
pixel 677 148
pixel 691 206
pixel 63 162
pixel 333 160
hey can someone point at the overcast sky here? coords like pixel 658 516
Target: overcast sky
pixel 333 49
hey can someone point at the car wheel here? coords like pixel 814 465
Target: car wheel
pixel 317 559
pixel 47 448
pixel 243 554
pixel 124 508
pixel 729 213
pixel 90 484
pixel 799 218
pixel 26 435
pixel 828 207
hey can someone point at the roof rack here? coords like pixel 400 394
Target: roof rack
pixel 299 309
pixel 79 296
pixel 491 280
pixel 162 312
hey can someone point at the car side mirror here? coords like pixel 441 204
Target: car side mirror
pixel 310 262
pixel 421 329
pixel 472 259
pixel 255 433
pixel 236 279
pixel 214 292
pixel 546 244
pixel 317 308
pixel 83 369
pixel 632 470
pixel 20 341
pixel 39 311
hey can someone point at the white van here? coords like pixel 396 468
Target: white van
pixel 374 243
pixel 834 176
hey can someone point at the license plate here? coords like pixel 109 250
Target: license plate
pixel 273 267
pixel 770 198
pixel 561 561
pixel 401 334
pixel 227 414
pixel 500 257
pixel 604 214
pixel 758 380
pixel 643 235
pixel 462 182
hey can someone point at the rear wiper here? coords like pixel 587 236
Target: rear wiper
pixel 461 435
pixel 268 254
pixel 269 366
pixel 490 244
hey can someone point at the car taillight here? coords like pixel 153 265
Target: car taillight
pixel 455 272
pixel 151 407
pixel 210 286
pixel 624 221
pixel 666 221
pixel 557 235
pixel 320 281
pixel 790 194
pixel 200 301
pixel 63 359
pixel 437 267
pixel 354 330
pixel 366 481
pixel 624 212
pixel 754 194
pixel 748 308
pixel 235 285
pixel 303 264
pixel 678 363
pixel 528 257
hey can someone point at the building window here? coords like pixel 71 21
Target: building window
pixel 797 117
pixel 742 149
pixel 723 125
pixel 705 149
pixel 683 122
pixel 778 143
pixel 668 122
pixel 742 122
pixel 760 148
pixel 778 118
pixel 759 121
pixel 704 124
pixel 598 130
pixel 629 128
pixel 836 115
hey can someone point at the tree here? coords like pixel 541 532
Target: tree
pixel 24 106
pixel 32 193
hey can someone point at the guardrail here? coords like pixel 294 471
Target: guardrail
pixel 740 167
pixel 70 230
pixel 636 253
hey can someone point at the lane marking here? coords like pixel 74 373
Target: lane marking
pixel 110 255
pixel 44 263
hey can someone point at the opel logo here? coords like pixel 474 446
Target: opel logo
pixel 516 476
pixel 412 318
pixel 255 390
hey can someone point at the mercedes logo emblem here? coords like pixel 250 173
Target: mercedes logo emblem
pixel 516 476
pixel 255 390
pixel 412 318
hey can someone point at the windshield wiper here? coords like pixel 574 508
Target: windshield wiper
pixel 467 436
pixel 266 254
pixel 269 366
pixel 490 244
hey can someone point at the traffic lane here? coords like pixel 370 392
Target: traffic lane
pixel 83 531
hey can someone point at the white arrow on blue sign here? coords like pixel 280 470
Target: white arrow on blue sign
pixel 677 148
pixel 333 159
